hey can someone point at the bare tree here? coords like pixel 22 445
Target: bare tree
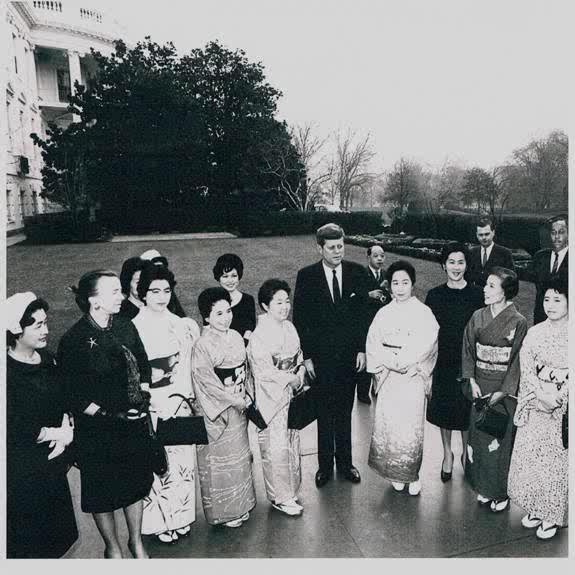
pixel 350 168
pixel 402 186
pixel 300 183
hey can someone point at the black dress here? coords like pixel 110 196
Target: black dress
pixel 448 408
pixel 105 367
pixel 40 515
pixel 244 315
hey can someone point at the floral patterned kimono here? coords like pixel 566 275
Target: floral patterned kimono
pixel 539 472
pixel 402 334
pixel 491 355
pixel 274 353
pixel 168 341
pixel 219 371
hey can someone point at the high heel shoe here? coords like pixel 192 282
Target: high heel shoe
pixel 446 475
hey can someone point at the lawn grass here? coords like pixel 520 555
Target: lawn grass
pixel 49 270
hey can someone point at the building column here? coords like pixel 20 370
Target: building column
pixel 75 74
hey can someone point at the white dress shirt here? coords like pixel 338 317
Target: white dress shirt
pixel 329 277
pixel 561 256
pixel 375 272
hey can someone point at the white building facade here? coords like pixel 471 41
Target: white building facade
pixel 49 49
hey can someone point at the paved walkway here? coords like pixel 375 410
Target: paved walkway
pixel 355 521
pixel 170 237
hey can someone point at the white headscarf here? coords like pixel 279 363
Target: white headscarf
pixel 150 255
pixel 14 308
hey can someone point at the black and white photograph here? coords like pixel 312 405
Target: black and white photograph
pixel 285 280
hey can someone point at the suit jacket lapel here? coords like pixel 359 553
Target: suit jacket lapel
pixel 322 282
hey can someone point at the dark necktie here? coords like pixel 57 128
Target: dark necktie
pixel 336 292
pixel 378 277
pixel 483 257
pixel 555 264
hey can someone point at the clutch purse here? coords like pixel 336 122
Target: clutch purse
pixel 254 415
pixel 565 429
pixel 302 409
pixel 186 430
pixel 157 453
pixel 491 420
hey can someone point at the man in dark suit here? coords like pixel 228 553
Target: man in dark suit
pixel 487 255
pixel 550 262
pixel 378 296
pixel 329 312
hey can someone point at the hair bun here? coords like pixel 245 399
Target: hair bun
pixel 73 289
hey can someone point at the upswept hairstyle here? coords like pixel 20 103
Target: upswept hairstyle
pixel 398 266
pixel 509 281
pixel 557 284
pixel 269 288
pixel 209 297
pixel 88 287
pixel 150 273
pixel 451 248
pixel 129 268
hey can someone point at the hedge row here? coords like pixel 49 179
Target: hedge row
pixel 295 223
pixel 54 228
pixel 514 231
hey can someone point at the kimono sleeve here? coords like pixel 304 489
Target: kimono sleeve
pixel 511 379
pixel 270 382
pixel 468 353
pixel 526 399
pixel 209 389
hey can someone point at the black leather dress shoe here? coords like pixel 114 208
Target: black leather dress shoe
pixel 352 474
pixel 321 478
pixel 364 399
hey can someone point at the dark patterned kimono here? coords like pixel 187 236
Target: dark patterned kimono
pixel 491 355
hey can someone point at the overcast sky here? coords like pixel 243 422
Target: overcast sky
pixel 429 79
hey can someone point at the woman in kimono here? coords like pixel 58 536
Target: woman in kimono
pixel 104 366
pixel 539 472
pixel 129 278
pixel 490 361
pixel 40 520
pixel 219 375
pixel 452 304
pixel 170 507
pixel 228 271
pixel 401 351
pixel 276 362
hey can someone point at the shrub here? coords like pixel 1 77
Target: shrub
pixel 294 223
pixel 59 227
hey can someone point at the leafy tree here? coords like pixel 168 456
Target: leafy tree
pixel 171 136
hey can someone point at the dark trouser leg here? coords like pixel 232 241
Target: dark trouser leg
pixel 325 420
pixel 363 383
pixel 344 396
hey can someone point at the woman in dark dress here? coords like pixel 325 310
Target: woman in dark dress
pixel 229 270
pixel 40 517
pixel 103 366
pixel 453 304
pixel 129 278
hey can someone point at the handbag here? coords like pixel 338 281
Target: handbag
pixel 254 415
pixel 565 429
pixel 158 457
pixel 303 408
pixel 186 430
pixel 491 420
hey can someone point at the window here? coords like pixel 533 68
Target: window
pixel 9 207
pixel 22 204
pixel 64 90
pixel 35 202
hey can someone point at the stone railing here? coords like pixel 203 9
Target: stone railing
pixel 92 15
pixel 47 5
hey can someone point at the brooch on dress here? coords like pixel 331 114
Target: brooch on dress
pixel 511 335
pixel 92 342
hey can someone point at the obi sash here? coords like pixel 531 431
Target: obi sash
pixel 492 358
pixel 555 375
pixel 233 377
pixel 166 365
pixel 286 363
